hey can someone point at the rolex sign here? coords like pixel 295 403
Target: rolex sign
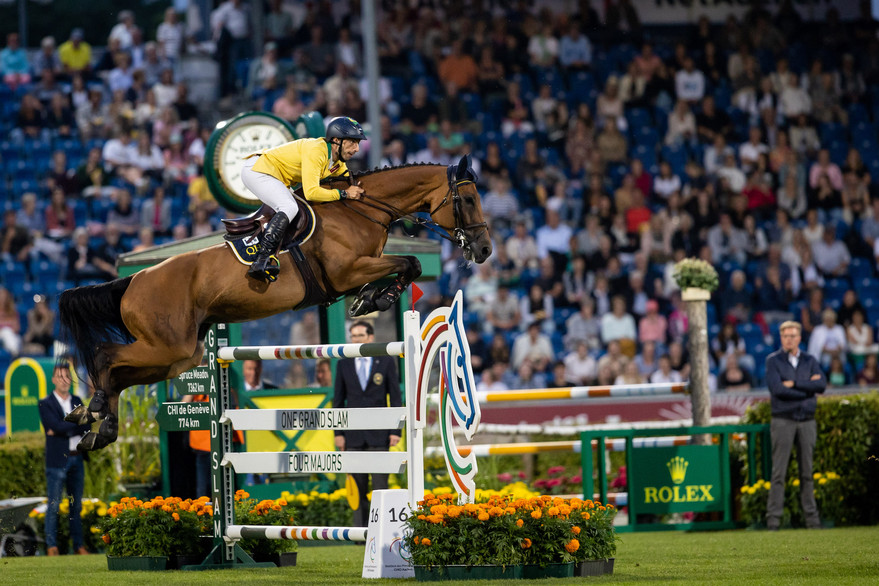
pixel 677 479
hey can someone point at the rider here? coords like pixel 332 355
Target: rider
pixel 305 161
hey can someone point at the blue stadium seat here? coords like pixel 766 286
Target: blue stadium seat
pixel 861 268
pixel 834 289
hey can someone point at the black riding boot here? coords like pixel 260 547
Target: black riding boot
pixel 271 238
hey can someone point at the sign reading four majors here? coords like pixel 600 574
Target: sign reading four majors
pixel 184 416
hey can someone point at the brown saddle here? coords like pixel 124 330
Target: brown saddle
pixel 253 224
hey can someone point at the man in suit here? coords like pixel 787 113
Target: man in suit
pixel 793 378
pixel 253 380
pixel 64 464
pixel 366 382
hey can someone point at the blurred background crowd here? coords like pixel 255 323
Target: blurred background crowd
pixel 607 150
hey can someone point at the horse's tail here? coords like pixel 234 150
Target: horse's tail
pixel 90 316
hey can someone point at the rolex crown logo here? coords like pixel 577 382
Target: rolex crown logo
pixel 677 467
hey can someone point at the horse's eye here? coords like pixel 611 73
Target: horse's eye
pixel 469 200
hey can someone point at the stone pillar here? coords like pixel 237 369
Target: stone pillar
pixel 700 398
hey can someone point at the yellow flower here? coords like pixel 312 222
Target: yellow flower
pixel 816 476
pixel 796 482
pixel 767 485
pixel 822 481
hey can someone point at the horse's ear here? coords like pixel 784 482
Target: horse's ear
pixel 463 168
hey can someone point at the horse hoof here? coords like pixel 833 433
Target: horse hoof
pixel 109 428
pixel 92 441
pixel 364 303
pixel 80 416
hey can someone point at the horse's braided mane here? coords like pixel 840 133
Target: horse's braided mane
pixel 406 166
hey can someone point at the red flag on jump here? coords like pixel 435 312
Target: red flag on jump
pixel 416 295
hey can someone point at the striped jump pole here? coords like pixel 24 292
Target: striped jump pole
pixel 371 349
pixel 297 533
pixel 522 448
pixel 593 392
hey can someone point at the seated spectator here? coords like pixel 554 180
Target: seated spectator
pixel 202 225
pixel 850 82
pixel 824 166
pixel 859 338
pixel 500 204
pixel 836 374
pixel 689 82
pixel 583 326
pixel 826 101
pixel 575 50
pixel 680 358
pixel 478 349
pixel 491 381
pixel 831 255
pixel 288 105
pixel 537 307
pixel 793 100
pixel 522 247
pixel 577 282
pixel 76 55
pixel 40 334
pixel 17 242
pixel 653 327
pixel 580 367
pixel 503 314
pixel 619 326
pixel 542 106
pixel 727 242
pixel 611 144
pixel 156 213
pixel 729 346
pixel 529 377
pixel 681 126
pixel 646 359
pixel 30 122
pixel 47 60
pixel 757 243
pixel 630 376
pixel 93 118
pixel 10 323
pixel 124 214
pixel 83 261
pixel 586 240
pixel 761 199
pixel 751 150
pixel 712 123
pixel 14 66
pixel 667 182
pixel 554 238
pixel 60 221
pixel 731 177
pixel 828 339
pixel 612 363
pixel 558 378
pixel 850 304
pixel 734 378
pixel 736 301
pixel 534 347
pixel 869 374
pixel 665 374
pixel 459 67
pixel 111 246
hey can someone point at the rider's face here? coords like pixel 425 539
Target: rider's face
pixel 348 148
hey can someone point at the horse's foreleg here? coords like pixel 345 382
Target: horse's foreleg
pixel 407 268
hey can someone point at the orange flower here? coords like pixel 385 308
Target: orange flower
pixel 425 541
pixel 276 507
pixel 439 509
pixel 483 516
pixel 519 522
pixel 282 502
pixel 536 514
pixel 454 512
pixel 176 517
pixel 575 530
pixel 435 519
pixel 510 510
pixel 525 543
pixel 495 511
pixel 553 512
pixel 165 508
pixel 417 540
pixel 572 546
pixel 106 538
pixel 586 516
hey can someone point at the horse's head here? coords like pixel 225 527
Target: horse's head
pixel 460 212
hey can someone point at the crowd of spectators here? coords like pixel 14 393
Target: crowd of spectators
pixel 606 151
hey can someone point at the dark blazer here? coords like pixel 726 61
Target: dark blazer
pixel 799 402
pixel 383 383
pixel 52 417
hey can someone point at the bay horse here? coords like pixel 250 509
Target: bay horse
pixel 150 327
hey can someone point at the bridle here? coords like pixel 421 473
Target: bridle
pixel 460 231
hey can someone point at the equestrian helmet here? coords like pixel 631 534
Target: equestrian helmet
pixel 344 127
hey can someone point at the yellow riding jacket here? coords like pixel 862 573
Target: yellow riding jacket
pixel 305 161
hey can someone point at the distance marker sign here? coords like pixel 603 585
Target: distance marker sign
pixel 184 416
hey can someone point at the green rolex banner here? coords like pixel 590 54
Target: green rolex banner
pixel 677 479
pixel 27 381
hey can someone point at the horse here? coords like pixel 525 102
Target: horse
pixel 150 326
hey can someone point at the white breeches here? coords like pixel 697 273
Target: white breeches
pixel 270 190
